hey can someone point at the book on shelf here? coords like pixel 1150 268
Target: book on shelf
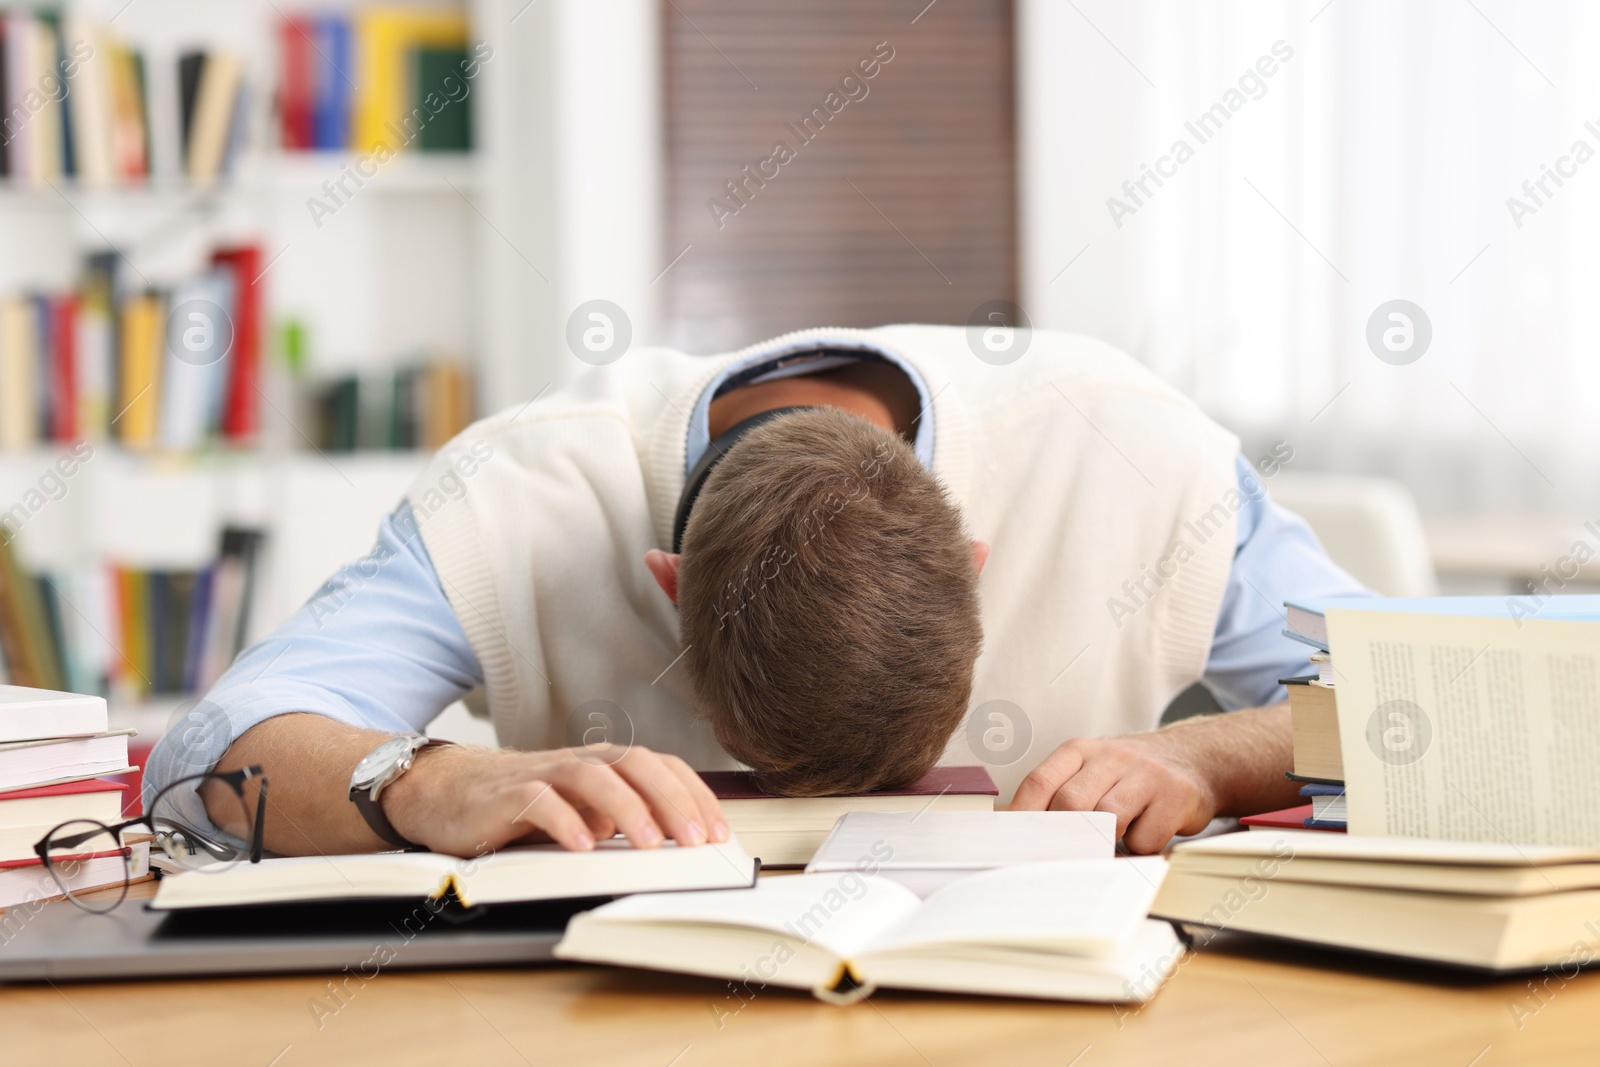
pixel 172 369
pixel 334 69
pixel 421 405
pixel 77 106
pixel 1487 905
pixel 925 850
pixel 1071 930
pixel 787 831
pixel 512 875
pixel 380 79
pixel 128 630
pixel 213 102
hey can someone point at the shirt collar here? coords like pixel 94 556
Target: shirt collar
pixel 769 366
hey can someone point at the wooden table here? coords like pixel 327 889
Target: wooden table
pixel 1238 1002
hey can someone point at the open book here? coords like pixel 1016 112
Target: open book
pixel 1069 930
pixel 525 873
pixel 1473 728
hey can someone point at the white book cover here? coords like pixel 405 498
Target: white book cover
pixel 48 144
pixel 194 367
pixel 19 414
pixel 21 77
pixel 27 714
pixel 92 365
pixel 89 104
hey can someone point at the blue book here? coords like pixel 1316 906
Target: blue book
pixel 1305 619
pixel 332 73
pixel 1321 789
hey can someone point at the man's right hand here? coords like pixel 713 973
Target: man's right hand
pixel 466 801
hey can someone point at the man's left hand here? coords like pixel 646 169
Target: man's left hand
pixel 1170 781
pixel 1148 781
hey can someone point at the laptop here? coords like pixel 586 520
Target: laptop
pixel 61 942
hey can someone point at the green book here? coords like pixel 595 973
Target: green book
pixel 340 404
pixel 442 93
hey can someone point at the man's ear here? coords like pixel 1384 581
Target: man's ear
pixel 980 555
pixel 663 566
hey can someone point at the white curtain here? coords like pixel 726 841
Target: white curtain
pixel 1374 163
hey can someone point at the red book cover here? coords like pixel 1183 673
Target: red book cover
pixel 295 95
pixel 1288 819
pixel 91 785
pixel 240 410
pixel 63 369
pixel 742 785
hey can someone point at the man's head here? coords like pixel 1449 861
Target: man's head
pixel 828 603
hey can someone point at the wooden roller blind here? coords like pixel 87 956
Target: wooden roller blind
pixel 835 162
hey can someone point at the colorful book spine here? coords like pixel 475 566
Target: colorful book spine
pixel 333 83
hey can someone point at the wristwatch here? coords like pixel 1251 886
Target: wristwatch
pixel 377 771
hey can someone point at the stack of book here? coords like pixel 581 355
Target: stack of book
pixel 418 406
pixel 1318 764
pixel 390 78
pixel 113 360
pixel 1491 905
pixel 76 102
pixel 113 629
pixel 1462 718
pixel 55 751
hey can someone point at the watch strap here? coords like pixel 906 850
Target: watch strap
pixel 366 802
pixel 372 811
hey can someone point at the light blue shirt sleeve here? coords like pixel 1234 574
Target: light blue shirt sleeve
pixel 1277 558
pixel 377 646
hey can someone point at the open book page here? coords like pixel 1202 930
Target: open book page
pixel 1083 907
pixel 298 878
pixel 840 913
pixel 1469 728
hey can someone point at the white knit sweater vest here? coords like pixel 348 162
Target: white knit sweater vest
pixel 1107 498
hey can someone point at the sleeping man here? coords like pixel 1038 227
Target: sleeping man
pixel 837 558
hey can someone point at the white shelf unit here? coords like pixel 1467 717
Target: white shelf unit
pixel 484 254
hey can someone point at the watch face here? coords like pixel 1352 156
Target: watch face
pixel 380 762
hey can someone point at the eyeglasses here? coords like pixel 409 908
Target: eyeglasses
pixel 67 850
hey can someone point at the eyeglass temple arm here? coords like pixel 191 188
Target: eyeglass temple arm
pixel 256 837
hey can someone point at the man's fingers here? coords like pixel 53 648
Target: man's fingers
pixel 1038 789
pixel 1128 799
pixel 1083 791
pixel 1166 814
pixel 711 816
pixel 668 795
pixel 544 809
pixel 601 825
pixel 600 787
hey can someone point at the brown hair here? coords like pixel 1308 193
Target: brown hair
pixel 828 600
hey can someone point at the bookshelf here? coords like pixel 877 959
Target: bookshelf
pixel 408 266
pixel 484 253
